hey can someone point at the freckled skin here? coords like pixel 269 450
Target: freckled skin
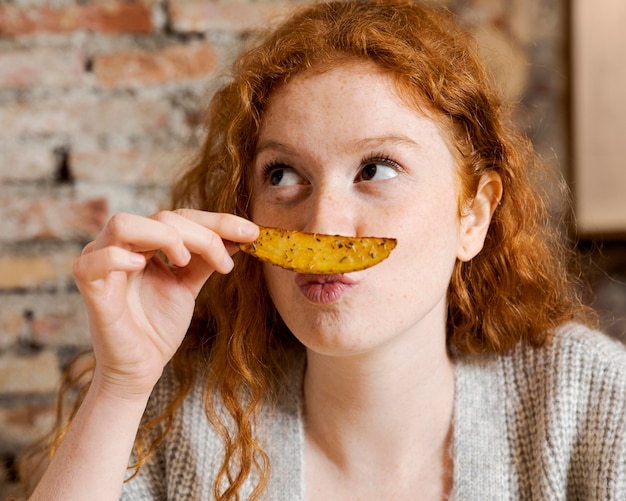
pixel 324 124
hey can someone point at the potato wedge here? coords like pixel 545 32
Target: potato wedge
pixel 317 253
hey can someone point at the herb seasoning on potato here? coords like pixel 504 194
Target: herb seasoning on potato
pixel 317 253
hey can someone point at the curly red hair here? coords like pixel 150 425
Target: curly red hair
pixel 518 289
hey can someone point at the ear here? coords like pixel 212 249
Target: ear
pixel 477 214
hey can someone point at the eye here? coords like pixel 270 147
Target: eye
pixel 378 170
pixel 282 175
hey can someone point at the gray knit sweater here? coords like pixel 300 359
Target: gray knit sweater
pixel 540 424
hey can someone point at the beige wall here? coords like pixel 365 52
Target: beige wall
pixel 599 142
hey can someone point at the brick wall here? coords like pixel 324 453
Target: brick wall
pixel 100 102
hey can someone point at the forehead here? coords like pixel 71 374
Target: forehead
pixel 331 93
pixel 327 81
pixel 401 89
pixel 343 102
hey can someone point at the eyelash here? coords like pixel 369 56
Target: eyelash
pixel 381 158
pixel 270 166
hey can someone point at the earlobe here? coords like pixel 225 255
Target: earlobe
pixel 477 215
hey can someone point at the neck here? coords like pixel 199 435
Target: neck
pixel 391 407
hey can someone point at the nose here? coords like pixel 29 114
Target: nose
pixel 332 211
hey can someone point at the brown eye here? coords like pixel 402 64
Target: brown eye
pixel 281 175
pixel 368 172
pixel 377 171
pixel 276 176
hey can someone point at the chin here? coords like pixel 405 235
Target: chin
pixel 339 342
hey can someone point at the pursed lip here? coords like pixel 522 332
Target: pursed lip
pixel 324 289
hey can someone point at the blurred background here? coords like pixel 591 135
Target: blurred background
pixel 101 102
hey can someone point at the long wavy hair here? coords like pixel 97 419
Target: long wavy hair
pixel 518 289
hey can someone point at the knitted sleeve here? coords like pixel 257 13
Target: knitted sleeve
pixel 566 415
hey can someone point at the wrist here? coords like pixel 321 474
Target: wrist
pixel 107 388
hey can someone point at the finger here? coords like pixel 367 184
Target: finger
pixel 195 275
pixel 88 248
pixel 99 264
pixel 227 226
pixel 141 235
pixel 208 234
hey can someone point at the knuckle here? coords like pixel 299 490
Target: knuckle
pixel 162 216
pixel 118 223
pixel 213 247
pixel 169 232
pixel 213 239
pixel 109 254
pixel 78 268
pixel 88 248
pixel 184 212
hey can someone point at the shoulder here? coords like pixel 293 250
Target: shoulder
pixel 570 397
pixel 576 356
pixel 578 341
pixel 554 416
pixel 578 372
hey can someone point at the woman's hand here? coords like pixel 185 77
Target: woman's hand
pixel 140 304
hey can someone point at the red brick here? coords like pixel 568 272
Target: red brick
pixel 157 166
pixel 41 67
pixel 18 377
pixel 26 161
pixel 144 200
pixel 197 16
pixel 140 68
pixel 119 17
pixel 125 116
pixel 21 118
pixel 61 329
pixel 29 20
pixel 110 17
pixel 85 115
pixel 49 319
pixel 26 219
pixel 22 425
pixel 11 326
pixel 23 272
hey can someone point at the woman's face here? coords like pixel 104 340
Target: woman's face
pixel 340 153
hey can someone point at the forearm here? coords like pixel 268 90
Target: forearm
pixel 91 461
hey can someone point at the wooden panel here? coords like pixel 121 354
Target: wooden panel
pixel 599 96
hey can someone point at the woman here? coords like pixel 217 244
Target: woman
pixel 452 369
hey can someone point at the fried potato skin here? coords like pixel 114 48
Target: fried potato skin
pixel 318 253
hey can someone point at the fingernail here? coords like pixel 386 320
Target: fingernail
pixel 186 255
pixel 228 262
pixel 248 229
pixel 137 260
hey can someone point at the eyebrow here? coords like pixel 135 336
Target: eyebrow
pixel 365 143
pixel 388 140
pixel 273 145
